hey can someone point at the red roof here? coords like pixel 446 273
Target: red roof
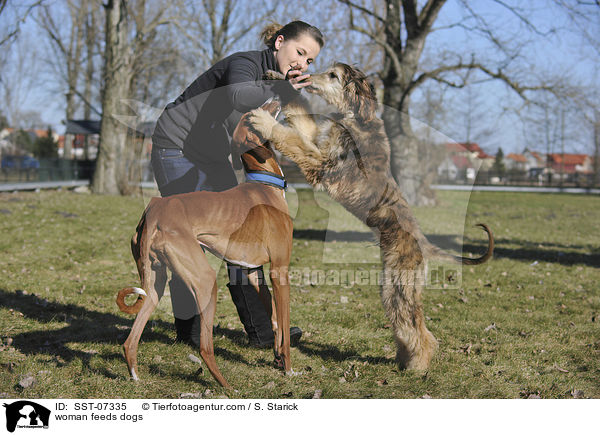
pixel 454 147
pixel 537 156
pixel 569 159
pixel 39 133
pixel 461 162
pixel 484 155
pixel 473 147
pixel 519 158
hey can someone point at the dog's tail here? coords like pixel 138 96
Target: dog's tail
pixel 432 252
pixel 140 249
pixel 135 307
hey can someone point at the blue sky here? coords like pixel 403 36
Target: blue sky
pixel 561 51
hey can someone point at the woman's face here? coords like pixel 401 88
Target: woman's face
pixel 295 53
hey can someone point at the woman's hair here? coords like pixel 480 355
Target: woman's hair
pixel 291 30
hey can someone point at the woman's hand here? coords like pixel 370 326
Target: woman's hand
pixel 298 79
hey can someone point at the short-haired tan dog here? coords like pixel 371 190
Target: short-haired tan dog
pixel 248 225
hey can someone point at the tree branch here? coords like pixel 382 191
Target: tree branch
pixel 362 9
pixel 435 74
pixel 20 21
pixel 392 53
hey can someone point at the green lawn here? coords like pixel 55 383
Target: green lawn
pixel 524 325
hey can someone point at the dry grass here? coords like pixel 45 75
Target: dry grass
pixel 525 324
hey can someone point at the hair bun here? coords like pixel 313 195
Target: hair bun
pixel 269 33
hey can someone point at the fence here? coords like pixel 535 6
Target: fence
pixel 49 170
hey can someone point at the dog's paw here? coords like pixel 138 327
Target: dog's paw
pixel 273 75
pixel 262 122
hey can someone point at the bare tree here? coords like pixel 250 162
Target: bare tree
pixel 596 141
pixel 10 31
pixel 67 51
pixel 215 28
pixel 402 31
pixel 18 60
pixel 130 28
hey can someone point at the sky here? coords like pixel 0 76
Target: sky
pixel 494 103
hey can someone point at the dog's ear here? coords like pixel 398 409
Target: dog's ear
pixel 368 103
pixel 361 94
pixel 364 101
pixel 261 154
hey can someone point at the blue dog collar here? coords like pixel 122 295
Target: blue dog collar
pixel 268 178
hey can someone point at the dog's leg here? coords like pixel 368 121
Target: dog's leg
pixel 286 139
pixel 187 259
pixel 401 297
pixel 281 294
pixel 154 286
pixel 207 316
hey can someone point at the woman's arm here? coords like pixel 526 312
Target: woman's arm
pixel 245 92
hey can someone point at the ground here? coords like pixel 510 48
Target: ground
pixel 523 325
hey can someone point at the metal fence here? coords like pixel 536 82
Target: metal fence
pixel 48 170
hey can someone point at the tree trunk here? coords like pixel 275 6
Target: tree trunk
pixel 596 162
pixel 117 78
pixel 410 173
pixel 401 63
pixel 90 40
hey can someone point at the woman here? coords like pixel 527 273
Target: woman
pixel 191 145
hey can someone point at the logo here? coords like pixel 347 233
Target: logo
pixel 26 414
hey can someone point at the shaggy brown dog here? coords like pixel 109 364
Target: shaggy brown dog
pixel 348 154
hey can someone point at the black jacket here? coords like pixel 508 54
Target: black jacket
pixel 201 120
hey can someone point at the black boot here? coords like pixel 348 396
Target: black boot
pixel 188 331
pixel 255 319
pixel 252 314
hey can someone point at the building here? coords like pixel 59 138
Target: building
pixel 462 162
pixel 516 162
pixel 570 167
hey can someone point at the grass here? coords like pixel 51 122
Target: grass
pixel 524 325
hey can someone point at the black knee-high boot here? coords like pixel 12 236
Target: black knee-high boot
pixel 251 310
pixel 252 314
pixel 188 330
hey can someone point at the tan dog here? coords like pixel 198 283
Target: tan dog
pixel 248 225
pixel 348 154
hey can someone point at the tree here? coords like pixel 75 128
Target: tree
pixel 401 31
pixel 10 32
pixel 117 76
pixel 23 142
pixel 67 50
pixel 3 122
pixel 128 33
pixel 499 167
pixel 46 146
pixel 596 141
pixel 215 28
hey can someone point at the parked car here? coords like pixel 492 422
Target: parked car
pixel 20 162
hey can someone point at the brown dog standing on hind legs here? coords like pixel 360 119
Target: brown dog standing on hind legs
pixel 348 154
pixel 248 225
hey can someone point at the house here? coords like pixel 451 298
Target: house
pixel 480 159
pixel 456 168
pixel 571 166
pixel 462 161
pixel 84 135
pixel 516 162
pixel 536 164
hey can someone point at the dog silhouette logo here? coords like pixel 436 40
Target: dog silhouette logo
pixel 26 414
